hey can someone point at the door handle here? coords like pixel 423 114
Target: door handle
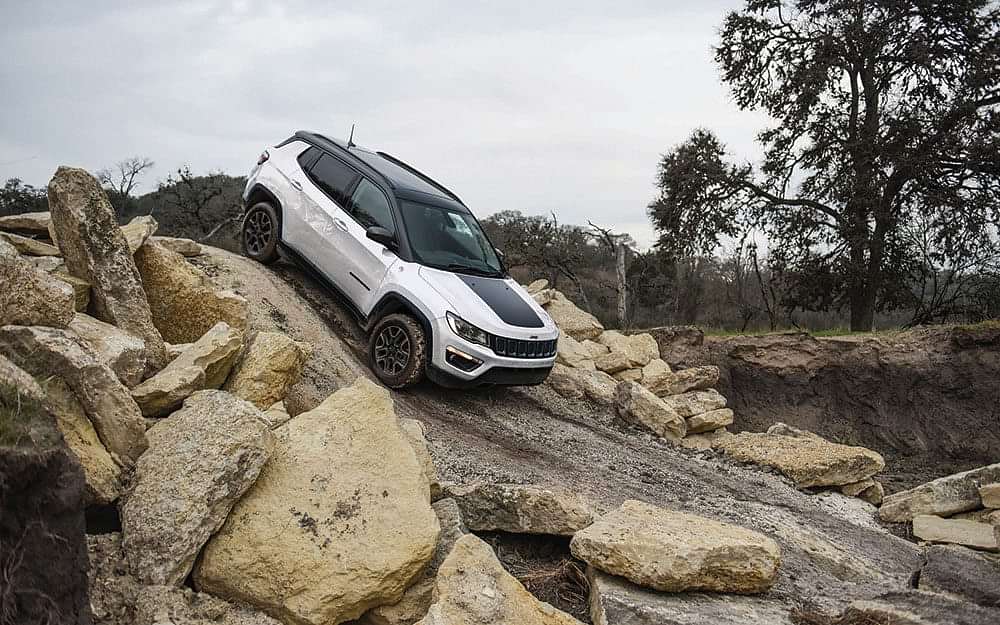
pixel 340 224
pixel 296 184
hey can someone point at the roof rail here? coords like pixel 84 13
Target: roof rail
pixel 416 172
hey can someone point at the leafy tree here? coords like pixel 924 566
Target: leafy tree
pixel 17 197
pixel 885 110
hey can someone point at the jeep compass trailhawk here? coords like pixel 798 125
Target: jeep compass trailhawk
pixel 406 255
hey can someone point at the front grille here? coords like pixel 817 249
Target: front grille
pixel 520 348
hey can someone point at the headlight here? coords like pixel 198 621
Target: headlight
pixel 466 330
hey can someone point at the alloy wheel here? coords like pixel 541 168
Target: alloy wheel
pixel 392 350
pixel 257 232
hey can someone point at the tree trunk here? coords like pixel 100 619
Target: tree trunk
pixel 622 285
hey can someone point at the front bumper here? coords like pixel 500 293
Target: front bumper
pixel 493 370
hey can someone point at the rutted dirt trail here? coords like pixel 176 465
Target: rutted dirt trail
pixel 833 550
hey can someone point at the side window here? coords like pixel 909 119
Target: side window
pixel 333 177
pixel 307 158
pixel 370 207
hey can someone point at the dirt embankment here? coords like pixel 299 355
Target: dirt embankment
pixel 930 395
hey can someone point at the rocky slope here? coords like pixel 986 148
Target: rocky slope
pixel 260 475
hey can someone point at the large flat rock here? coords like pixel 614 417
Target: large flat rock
pixel 338 522
pixel 944 496
pixel 617 601
pixel 200 461
pixel 675 551
pixel 961 571
pixel 521 508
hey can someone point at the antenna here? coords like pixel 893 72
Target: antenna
pixel 350 141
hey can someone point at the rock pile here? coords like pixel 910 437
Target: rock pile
pixel 962 509
pixel 626 370
pixel 683 406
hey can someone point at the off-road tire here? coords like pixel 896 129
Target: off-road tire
pixel 388 335
pixel 260 233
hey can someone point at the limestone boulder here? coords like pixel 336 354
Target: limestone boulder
pixel 637 405
pixel 675 551
pixel 271 364
pixel 856 488
pixel 28 246
pixel 573 383
pixel 616 601
pixel 572 320
pixel 27 223
pixel 959 571
pixel 95 250
pixel 956 531
pixel 200 461
pixel 639 349
pixel 184 302
pixel 684 380
pixel 30 296
pixel 101 472
pixel 204 365
pixel 944 496
pixel 138 230
pixel 808 461
pixel 543 297
pixel 184 247
pixel 51 352
pixel 338 522
pixel 521 509
pixel 123 353
pixel 612 362
pixel 418 598
pixel 706 440
pixel 572 354
pixel 657 376
pixel 593 349
pixel 176 349
pixel 414 432
pixel 990 494
pixel 874 494
pixel 694 403
pixel 709 421
pixel 538 285
pixel 473 588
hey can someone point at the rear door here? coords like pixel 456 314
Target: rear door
pixel 367 261
pixel 326 187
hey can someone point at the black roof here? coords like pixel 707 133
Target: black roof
pixel 405 181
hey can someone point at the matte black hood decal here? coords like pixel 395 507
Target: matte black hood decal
pixel 504 301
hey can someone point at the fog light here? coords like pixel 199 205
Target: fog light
pixel 460 360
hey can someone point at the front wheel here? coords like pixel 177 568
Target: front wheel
pixel 397 349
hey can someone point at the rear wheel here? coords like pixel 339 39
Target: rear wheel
pixel 397 349
pixel 261 229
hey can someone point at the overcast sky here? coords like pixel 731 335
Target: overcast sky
pixel 542 107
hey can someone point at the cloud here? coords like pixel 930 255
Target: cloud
pixel 558 107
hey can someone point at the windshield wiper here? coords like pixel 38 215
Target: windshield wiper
pixel 473 270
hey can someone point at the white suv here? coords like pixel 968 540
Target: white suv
pixel 406 255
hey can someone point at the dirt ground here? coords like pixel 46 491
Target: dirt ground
pixel 833 548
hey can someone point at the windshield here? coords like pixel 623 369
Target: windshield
pixel 447 239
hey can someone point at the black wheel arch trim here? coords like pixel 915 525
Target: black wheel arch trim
pixel 394 302
pixel 260 190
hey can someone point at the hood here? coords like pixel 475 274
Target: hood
pixel 486 301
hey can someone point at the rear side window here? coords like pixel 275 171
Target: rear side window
pixel 334 178
pixel 307 158
pixel 370 207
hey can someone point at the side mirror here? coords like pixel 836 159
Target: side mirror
pixel 383 236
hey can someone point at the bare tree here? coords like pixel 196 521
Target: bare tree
pixel 121 180
pixel 618 244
